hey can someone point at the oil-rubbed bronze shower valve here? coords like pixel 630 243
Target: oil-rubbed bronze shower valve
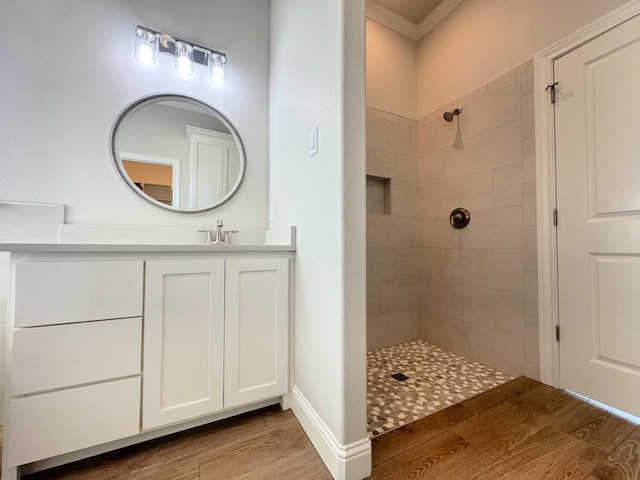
pixel 459 217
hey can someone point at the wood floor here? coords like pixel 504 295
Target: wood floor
pixel 520 430
pixel 268 444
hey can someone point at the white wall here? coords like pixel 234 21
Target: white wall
pixel 482 39
pixel 317 78
pixel 391 70
pixel 68 70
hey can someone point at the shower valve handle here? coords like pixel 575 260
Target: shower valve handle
pixel 459 218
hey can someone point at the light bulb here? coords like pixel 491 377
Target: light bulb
pixel 145 55
pixel 218 66
pixel 184 58
pixel 145 46
pixel 183 65
pixel 217 71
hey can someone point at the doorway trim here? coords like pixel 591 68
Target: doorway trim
pixel 546 184
pixel 174 163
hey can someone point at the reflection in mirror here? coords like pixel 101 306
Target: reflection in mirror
pixel 158 177
pixel 178 153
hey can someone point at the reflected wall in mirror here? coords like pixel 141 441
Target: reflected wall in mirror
pixel 178 153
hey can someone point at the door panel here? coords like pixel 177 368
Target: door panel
pixel 618 308
pixel 256 330
pixel 611 128
pixel 597 112
pixel 209 165
pixel 183 340
pixel 215 165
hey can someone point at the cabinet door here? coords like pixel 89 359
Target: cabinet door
pixel 256 330
pixel 183 340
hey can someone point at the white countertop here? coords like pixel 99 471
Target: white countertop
pixel 107 247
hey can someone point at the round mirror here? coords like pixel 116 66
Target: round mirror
pixel 178 153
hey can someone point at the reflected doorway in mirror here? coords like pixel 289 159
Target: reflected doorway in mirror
pixel 158 177
pixel 211 155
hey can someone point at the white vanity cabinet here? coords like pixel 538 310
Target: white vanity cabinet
pixel 74 357
pixel 108 346
pixel 216 336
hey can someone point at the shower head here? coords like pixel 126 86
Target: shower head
pixel 448 116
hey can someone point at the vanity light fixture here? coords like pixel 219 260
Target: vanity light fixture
pixel 145 46
pixel 149 41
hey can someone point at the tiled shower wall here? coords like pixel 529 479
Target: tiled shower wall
pixel 472 291
pixel 394 286
pixel 480 283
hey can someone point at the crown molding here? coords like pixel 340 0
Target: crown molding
pixel 436 15
pixel 394 21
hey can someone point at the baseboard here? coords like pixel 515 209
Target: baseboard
pixel 345 462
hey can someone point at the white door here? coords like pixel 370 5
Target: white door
pixel 256 330
pixel 183 340
pixel 214 164
pixel 597 114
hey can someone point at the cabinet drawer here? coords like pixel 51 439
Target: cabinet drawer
pixel 50 293
pixel 51 424
pixel 64 355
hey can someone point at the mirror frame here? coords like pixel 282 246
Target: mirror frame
pixel 136 105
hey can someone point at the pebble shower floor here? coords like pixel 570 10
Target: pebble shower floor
pixel 437 380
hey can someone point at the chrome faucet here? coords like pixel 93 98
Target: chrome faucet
pixel 209 240
pixel 227 240
pixel 219 234
pixel 221 238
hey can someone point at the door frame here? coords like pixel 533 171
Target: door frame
pixel 546 184
pixel 172 162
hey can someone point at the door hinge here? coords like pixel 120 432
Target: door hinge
pixel 552 87
pixel 555 216
pixel 557 333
